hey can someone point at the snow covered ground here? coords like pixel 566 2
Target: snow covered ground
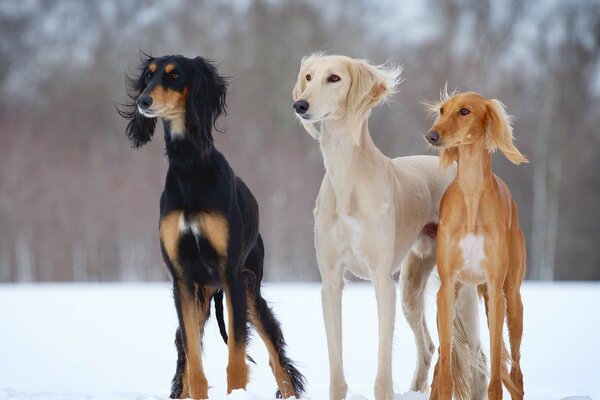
pixel 115 341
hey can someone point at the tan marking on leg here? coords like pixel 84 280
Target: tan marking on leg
pixel 192 315
pixel 169 234
pixel 185 390
pixel 237 369
pixel 215 228
pixel 281 375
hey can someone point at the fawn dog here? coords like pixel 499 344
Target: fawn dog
pixel 479 238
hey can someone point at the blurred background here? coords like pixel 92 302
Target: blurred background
pixel 78 204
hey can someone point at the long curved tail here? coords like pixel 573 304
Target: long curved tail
pixel 469 366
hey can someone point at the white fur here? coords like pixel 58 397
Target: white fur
pixel 473 253
pixel 369 214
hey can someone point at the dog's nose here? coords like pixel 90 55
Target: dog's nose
pixel 144 101
pixel 433 137
pixel 301 106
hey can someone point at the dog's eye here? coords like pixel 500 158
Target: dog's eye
pixel 308 77
pixel 333 78
pixel 148 75
pixel 442 111
pixel 174 75
pixel 464 111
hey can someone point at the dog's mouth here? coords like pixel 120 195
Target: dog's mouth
pixel 147 113
pixel 311 118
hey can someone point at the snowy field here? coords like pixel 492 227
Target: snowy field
pixel 115 341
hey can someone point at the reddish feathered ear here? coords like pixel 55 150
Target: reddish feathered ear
pixel 499 134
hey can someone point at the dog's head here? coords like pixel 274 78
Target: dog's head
pixel 465 118
pixel 188 93
pixel 335 87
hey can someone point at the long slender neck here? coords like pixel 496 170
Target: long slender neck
pixel 473 175
pixel 181 151
pixel 344 160
pixel 340 153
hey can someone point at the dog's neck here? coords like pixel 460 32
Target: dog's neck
pixel 342 158
pixel 181 152
pixel 474 174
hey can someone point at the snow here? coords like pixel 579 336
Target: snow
pixel 115 341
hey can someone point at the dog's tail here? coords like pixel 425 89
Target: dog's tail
pixel 469 367
pixel 218 299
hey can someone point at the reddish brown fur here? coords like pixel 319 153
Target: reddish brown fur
pixel 479 203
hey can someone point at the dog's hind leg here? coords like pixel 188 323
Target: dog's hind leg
pixel 179 389
pixel 289 380
pixel 415 271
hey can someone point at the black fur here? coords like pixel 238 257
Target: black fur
pixel 199 180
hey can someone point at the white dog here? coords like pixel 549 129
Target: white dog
pixel 374 215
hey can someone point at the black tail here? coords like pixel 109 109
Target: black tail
pixel 270 325
pixel 177 384
pixel 218 298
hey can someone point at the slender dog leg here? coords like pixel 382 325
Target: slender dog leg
pixel 445 312
pixel 514 309
pixel 497 311
pixel 385 292
pixel 331 296
pixel 414 274
pixel 237 369
pixel 190 318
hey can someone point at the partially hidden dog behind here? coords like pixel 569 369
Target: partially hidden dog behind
pixel 480 241
pixel 209 224
pixel 374 215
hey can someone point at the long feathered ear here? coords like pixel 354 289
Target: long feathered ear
pixel 139 129
pixel 299 89
pixel 369 86
pixel 206 102
pixel 499 134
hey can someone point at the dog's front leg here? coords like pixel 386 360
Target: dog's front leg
pixel 331 297
pixel 385 293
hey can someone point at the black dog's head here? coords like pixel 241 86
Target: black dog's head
pixel 189 93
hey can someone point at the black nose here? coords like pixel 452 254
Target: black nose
pixel 301 106
pixel 433 137
pixel 144 101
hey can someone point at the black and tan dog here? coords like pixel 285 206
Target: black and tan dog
pixel 208 224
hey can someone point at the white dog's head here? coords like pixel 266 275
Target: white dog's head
pixel 335 87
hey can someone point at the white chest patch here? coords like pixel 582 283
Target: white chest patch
pixel 472 252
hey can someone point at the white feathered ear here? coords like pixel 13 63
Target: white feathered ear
pixel 299 88
pixel 499 133
pixel 370 85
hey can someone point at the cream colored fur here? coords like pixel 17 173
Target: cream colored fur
pixel 370 211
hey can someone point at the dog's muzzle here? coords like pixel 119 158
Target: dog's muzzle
pixel 301 106
pixel 433 138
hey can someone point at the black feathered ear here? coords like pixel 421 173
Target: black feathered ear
pixel 139 129
pixel 206 101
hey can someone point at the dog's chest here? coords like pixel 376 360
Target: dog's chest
pixel 473 255
pixel 196 244
pixel 348 239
